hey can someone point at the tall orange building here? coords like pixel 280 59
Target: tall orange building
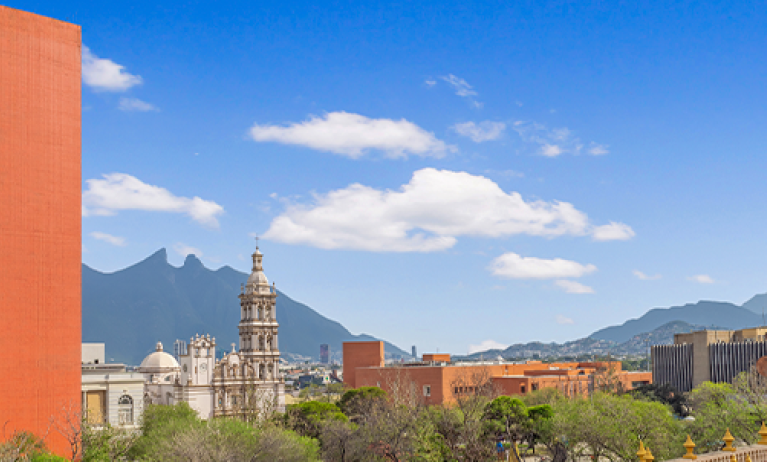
pixel 439 381
pixel 40 223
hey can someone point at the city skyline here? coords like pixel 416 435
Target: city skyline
pixel 436 174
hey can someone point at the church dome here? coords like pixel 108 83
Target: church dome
pixel 159 361
pixel 258 277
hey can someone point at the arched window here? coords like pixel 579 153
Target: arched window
pixel 125 410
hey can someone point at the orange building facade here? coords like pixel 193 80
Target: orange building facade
pixel 40 223
pixel 439 381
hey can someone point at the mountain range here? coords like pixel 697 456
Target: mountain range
pixel 703 313
pixel 132 309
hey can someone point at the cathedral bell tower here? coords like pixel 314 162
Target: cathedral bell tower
pixel 258 323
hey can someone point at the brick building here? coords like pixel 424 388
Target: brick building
pixel 40 220
pixel 441 381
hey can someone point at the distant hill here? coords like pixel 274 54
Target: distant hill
pixel 636 345
pixel 132 309
pixel 703 313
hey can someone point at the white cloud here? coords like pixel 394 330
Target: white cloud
pixel 564 320
pixel 484 131
pixel 461 86
pixel 184 250
pixel 598 149
pixel 513 266
pixel 106 75
pixel 644 277
pixel 462 89
pixel 487 345
pixel 551 150
pixel 573 287
pixel 613 232
pixel 120 191
pixel 351 135
pixel 701 279
pixel 135 104
pixel 430 82
pixel 556 141
pixel 114 240
pixel 425 215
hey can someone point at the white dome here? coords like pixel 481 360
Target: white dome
pixel 258 277
pixel 159 361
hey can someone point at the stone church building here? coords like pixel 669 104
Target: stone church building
pixel 244 383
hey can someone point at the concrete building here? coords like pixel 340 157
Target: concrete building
pixel 110 394
pixel 243 381
pixel 40 222
pixel 439 380
pixel 325 353
pixel 708 356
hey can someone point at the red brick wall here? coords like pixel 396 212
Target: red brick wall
pixel 40 219
pixel 361 354
pixel 443 380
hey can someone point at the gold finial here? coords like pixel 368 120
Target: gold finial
pixel 648 457
pixel 748 458
pixel 728 439
pixel 641 453
pixel 762 435
pixel 689 446
pixel 733 458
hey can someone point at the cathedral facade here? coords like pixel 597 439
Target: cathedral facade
pixel 245 383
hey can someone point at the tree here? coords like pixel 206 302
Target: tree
pixel 307 418
pixel 359 401
pixel 507 418
pixel 717 407
pixel 611 426
pixel 664 393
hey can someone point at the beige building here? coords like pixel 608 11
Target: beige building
pixel 110 394
pixel 708 356
pixel 244 381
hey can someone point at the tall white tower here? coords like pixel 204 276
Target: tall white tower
pixel 258 324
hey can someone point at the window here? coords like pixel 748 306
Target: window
pixel 534 387
pixel 522 389
pixel 427 390
pixel 125 410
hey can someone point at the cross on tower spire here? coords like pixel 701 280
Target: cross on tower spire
pixel 257 239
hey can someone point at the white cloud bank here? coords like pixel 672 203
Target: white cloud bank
pixel 120 191
pixel 563 320
pixel 352 135
pixel 701 279
pixel 574 287
pixel 114 240
pixel 484 131
pixel 136 105
pixel 106 75
pixel 513 266
pixel 425 215
pixel 487 345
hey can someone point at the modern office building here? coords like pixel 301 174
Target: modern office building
pixel 708 356
pixel 40 222
pixel 325 353
pixel 439 380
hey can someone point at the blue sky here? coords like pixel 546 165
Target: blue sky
pixel 434 173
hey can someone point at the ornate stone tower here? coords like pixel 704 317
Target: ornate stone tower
pixel 258 324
